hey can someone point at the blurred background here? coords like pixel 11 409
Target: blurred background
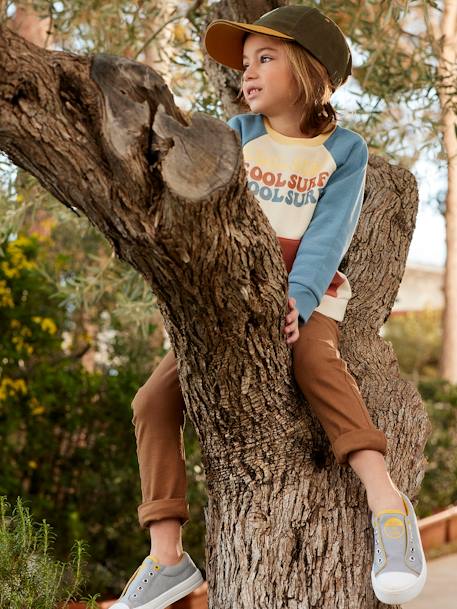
pixel 80 329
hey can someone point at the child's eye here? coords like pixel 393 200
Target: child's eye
pixel 262 57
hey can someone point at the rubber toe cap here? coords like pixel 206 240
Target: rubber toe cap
pixel 394 580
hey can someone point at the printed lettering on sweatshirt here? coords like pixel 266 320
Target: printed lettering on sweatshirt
pixel 288 195
pixel 311 190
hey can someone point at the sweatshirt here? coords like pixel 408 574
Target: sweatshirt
pixel 311 190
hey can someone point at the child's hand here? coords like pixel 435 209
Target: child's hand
pixel 291 327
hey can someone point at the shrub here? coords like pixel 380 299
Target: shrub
pixel 29 577
pixel 76 459
pixel 416 338
pixel 68 442
pixel 439 487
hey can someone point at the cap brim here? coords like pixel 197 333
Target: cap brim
pixel 224 40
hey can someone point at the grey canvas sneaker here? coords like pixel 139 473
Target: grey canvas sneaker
pixel 155 586
pixel 399 569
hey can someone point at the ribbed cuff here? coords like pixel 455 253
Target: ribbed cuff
pixel 305 300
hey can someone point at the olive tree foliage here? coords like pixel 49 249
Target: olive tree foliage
pixel 397 49
pixel 409 69
pixel 393 97
pixel 154 32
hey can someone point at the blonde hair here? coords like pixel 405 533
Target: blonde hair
pixel 314 89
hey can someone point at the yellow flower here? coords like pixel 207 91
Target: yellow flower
pixel 36 407
pixel 33 464
pixel 47 324
pixel 9 271
pixel 18 339
pixel 10 387
pixel 6 298
pixel 19 342
pixel 21 345
pixel 20 385
pixel 18 260
pixel 20 241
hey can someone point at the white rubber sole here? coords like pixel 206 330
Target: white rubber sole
pixel 402 595
pixel 173 595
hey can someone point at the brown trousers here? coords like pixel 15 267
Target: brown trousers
pixel 324 379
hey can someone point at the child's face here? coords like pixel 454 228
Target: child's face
pixel 269 86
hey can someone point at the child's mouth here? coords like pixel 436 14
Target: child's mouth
pixel 253 92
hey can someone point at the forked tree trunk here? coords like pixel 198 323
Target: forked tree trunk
pixel 286 527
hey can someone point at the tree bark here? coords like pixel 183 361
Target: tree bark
pixel 286 527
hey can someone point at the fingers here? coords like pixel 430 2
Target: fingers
pixel 292 316
pixel 293 337
pixel 291 329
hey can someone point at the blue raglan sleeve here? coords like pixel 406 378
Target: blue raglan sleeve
pixel 329 234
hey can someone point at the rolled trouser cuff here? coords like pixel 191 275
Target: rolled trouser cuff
pixel 359 439
pixel 150 511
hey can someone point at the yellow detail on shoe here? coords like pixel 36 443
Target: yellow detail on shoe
pixel 153 557
pixel 131 579
pixel 394 528
pixel 406 507
pixel 390 512
pixel 402 495
pixel 157 567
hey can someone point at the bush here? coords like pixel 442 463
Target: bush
pixel 416 338
pixel 29 577
pixel 68 442
pixel 76 459
pixel 439 487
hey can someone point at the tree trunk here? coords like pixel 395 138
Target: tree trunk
pixel 448 99
pixel 286 527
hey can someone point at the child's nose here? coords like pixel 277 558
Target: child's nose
pixel 249 72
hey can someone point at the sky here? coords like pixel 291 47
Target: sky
pixel 428 243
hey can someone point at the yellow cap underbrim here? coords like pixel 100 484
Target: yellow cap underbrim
pixel 224 40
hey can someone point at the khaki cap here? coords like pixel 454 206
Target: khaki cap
pixel 310 28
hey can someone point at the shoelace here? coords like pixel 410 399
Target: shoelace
pixel 154 558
